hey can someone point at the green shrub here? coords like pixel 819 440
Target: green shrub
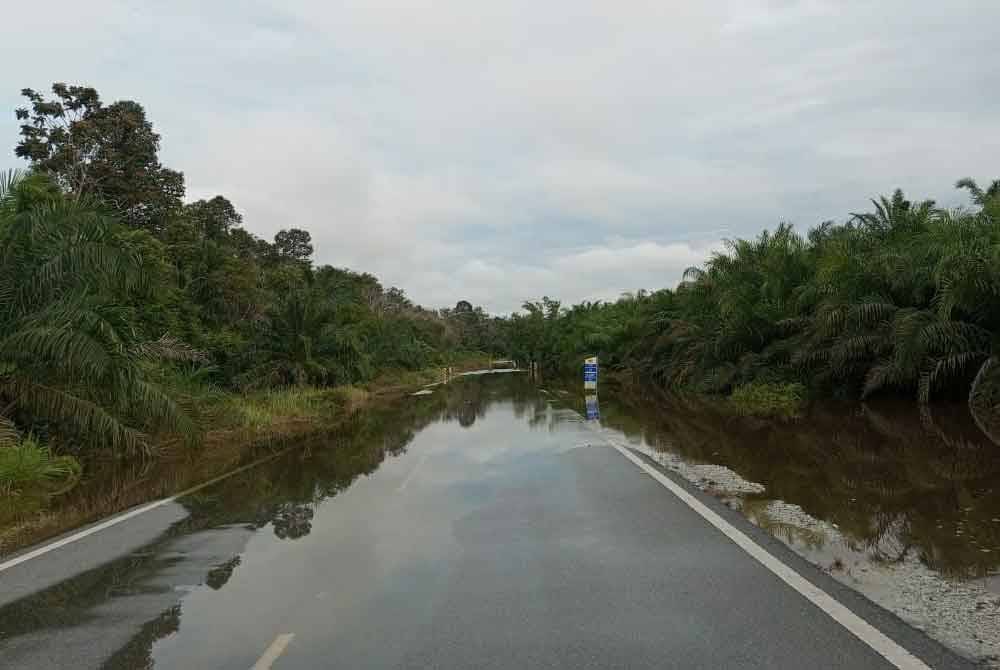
pixel 261 409
pixel 29 468
pixel 769 400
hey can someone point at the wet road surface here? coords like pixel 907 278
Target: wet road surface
pixel 481 526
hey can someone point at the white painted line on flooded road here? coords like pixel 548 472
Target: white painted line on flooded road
pixel 416 467
pixel 272 653
pixel 863 630
pixel 114 521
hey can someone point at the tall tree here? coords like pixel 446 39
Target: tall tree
pixel 293 244
pixel 213 218
pixel 107 151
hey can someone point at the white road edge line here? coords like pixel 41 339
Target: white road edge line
pixel 863 630
pixel 113 521
pixel 272 653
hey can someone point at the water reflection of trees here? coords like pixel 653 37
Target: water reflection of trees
pixel 282 494
pixel 285 493
pixel 137 653
pixel 895 480
pixel 470 399
pixel 219 575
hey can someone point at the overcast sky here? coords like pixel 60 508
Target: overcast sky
pixel 499 151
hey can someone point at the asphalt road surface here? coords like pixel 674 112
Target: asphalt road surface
pixel 480 526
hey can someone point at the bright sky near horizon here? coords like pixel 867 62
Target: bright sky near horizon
pixel 498 151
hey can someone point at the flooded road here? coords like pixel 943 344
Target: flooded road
pixel 485 524
pixel 900 503
pixel 899 482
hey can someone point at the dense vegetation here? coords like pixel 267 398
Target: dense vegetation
pixel 904 299
pixel 126 312
pixel 123 308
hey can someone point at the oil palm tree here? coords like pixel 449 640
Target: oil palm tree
pixel 297 342
pixel 70 358
pixel 979 196
pixel 896 214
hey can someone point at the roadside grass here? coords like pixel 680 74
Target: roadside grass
pixel 392 381
pixel 399 380
pixel 769 400
pixel 30 475
pixel 263 410
pixel 283 412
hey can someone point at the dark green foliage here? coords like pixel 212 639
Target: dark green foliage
pixel 70 360
pixel 902 299
pixel 294 244
pixel 106 151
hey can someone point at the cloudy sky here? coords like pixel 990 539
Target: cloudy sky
pixel 499 151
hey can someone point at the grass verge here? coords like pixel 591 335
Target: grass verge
pixel 782 401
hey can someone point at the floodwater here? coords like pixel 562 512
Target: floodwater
pixel 377 498
pixel 896 481
pixel 900 503
pixel 898 486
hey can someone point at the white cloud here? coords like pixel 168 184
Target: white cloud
pixel 496 152
pixel 592 273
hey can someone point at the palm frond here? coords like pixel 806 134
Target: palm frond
pixel 83 416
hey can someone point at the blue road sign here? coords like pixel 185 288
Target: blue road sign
pixel 590 373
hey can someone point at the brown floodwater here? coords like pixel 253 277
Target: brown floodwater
pixel 896 480
pixel 360 518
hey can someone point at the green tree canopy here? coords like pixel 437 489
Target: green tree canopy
pixel 106 151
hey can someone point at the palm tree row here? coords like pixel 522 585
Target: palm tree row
pixel 902 299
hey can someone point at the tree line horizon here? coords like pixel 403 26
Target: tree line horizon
pixel 119 301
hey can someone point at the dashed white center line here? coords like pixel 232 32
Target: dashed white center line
pixel 272 653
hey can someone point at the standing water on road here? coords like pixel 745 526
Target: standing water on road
pixel 902 504
pixel 349 542
pixel 347 530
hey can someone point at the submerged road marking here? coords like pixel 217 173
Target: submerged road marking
pixel 416 467
pixel 272 653
pixel 114 521
pixel 874 638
